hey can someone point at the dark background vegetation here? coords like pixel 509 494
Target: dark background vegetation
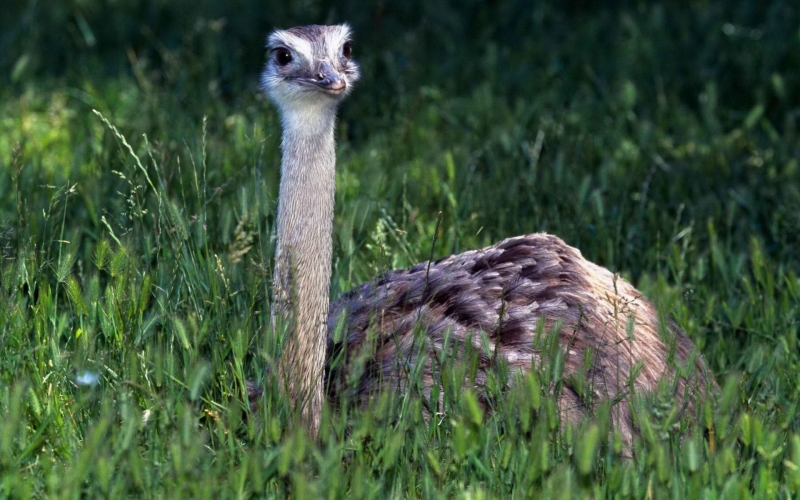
pixel 660 138
pixel 686 72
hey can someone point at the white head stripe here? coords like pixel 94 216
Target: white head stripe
pixel 325 44
pixel 300 45
pixel 335 38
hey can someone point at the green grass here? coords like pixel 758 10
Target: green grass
pixel 661 139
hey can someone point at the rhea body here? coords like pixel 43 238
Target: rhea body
pixel 497 299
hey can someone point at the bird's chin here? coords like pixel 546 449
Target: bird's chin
pixel 314 88
pixel 334 92
pixel 335 95
pixel 328 92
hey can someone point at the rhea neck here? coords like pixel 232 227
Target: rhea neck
pixel 308 181
pixel 304 248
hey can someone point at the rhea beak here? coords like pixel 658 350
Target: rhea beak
pixel 329 80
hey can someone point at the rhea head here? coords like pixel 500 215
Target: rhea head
pixel 309 69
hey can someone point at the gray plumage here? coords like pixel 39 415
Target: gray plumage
pixel 497 298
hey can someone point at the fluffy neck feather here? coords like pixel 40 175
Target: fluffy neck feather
pixel 303 259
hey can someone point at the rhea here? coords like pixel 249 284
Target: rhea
pixel 497 299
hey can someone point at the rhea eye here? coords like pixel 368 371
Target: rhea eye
pixel 283 56
pixel 347 49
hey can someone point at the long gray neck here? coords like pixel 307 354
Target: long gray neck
pixel 303 259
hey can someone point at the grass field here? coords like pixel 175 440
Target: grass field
pixel 138 182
